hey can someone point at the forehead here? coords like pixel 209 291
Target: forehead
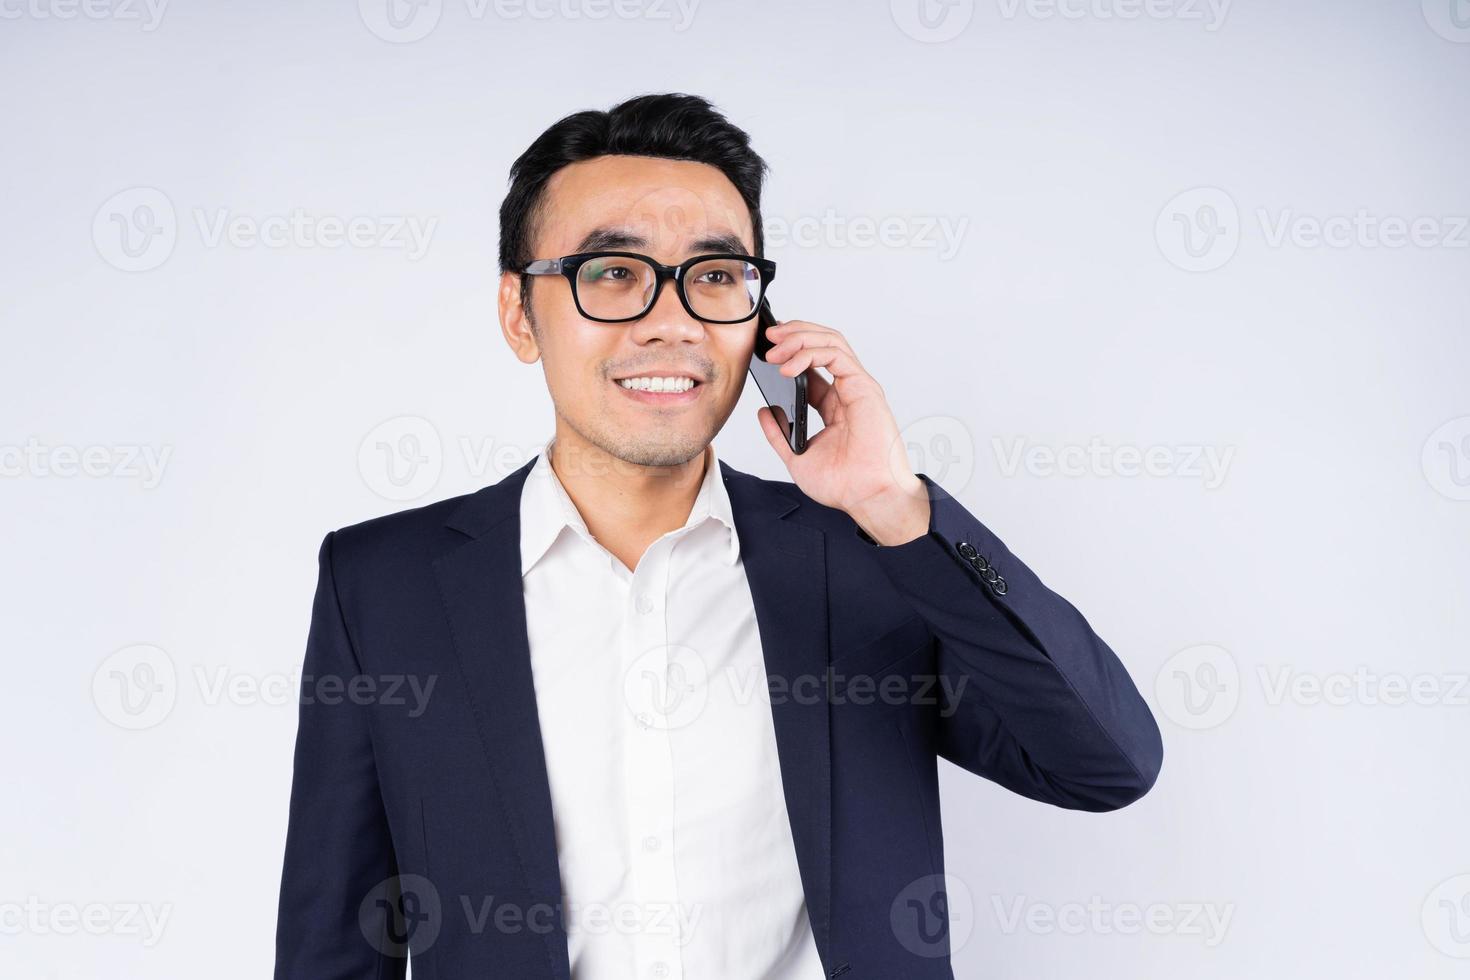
pixel 670 209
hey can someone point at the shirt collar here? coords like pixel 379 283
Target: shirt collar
pixel 547 509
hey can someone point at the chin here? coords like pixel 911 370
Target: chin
pixel 649 449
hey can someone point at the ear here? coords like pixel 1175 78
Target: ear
pixel 514 322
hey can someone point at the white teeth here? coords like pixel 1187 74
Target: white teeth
pixel 658 384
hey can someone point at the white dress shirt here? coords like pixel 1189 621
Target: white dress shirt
pixel 672 835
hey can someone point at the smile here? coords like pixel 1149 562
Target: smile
pixel 661 390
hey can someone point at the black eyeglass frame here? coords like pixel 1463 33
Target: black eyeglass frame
pixel 568 265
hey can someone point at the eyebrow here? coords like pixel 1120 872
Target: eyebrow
pixel 615 238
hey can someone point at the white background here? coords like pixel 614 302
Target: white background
pixel 1292 833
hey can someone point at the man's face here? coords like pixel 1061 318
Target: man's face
pixel 668 210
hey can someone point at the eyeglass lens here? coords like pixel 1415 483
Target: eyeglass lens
pixel 615 287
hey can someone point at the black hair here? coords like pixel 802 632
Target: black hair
pixel 672 125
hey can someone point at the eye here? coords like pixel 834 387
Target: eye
pixel 609 271
pixel 717 277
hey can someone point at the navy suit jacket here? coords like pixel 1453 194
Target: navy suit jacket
pixel 426 823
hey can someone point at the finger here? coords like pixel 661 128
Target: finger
pixel 787 328
pixel 841 363
pixel 798 325
pixel 822 396
pixel 793 326
pixel 774 435
pixel 792 342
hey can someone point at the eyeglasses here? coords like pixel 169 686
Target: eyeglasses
pixel 615 287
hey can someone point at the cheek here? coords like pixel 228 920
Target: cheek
pixel 734 358
pixel 574 357
pixel 577 382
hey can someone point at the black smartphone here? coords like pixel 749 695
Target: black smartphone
pixel 786 396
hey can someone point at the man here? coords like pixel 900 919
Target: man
pixel 679 721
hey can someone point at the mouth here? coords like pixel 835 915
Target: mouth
pixel 661 389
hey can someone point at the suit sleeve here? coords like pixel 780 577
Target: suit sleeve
pixel 338 848
pixel 1044 708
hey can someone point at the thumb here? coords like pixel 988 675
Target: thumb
pixel 774 435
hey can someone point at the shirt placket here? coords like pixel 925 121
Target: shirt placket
pixel 650 769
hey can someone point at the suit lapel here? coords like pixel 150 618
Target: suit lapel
pixel 785 564
pixel 483 598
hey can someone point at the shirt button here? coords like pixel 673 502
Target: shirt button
pixel 650 843
pixel 660 969
pixel 645 603
pixel 644 719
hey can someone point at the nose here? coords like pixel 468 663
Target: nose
pixel 667 320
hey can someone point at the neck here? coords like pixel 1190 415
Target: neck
pixel 627 506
